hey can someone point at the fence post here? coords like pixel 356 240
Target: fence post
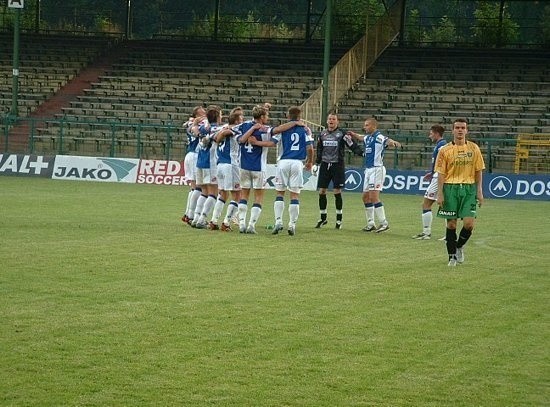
pixel 61 130
pixel 168 142
pixel 6 131
pixel 31 141
pixel 138 146
pixel 490 156
pixel 112 150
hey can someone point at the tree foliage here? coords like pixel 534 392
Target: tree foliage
pixel 489 30
pixel 426 20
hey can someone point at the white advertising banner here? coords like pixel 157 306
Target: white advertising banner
pixel 101 169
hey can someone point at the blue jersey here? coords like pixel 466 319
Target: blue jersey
pixel 253 158
pixel 192 140
pixel 375 144
pixel 437 147
pixel 228 148
pixel 293 143
pixel 207 151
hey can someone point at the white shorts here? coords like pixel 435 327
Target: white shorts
pixel 289 175
pixel 374 179
pixel 252 179
pixel 229 178
pixel 431 192
pixel 204 177
pixel 190 167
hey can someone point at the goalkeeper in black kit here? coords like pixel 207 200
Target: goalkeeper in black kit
pixel 330 165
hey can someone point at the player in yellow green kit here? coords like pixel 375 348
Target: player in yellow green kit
pixel 459 165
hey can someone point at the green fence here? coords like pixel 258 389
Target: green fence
pixel 169 142
pixel 114 138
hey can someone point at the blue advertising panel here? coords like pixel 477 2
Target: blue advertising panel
pixel 495 186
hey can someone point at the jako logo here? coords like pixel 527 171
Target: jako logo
pixel 500 186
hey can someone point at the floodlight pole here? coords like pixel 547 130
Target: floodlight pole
pixel 326 61
pixel 128 19
pixel 15 87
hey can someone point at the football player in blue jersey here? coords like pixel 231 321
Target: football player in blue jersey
pixel 206 165
pixel 253 166
pixel 190 163
pixel 228 171
pixel 295 143
pixel 430 196
pixel 374 145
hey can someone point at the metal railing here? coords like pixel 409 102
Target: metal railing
pixel 62 136
pixel 354 64
pixel 92 138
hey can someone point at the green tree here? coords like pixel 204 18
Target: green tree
pixel 415 32
pixel 545 26
pixel 444 33
pixel 488 31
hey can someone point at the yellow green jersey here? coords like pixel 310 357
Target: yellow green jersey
pixel 459 163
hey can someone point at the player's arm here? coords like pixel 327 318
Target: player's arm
pixel 479 185
pixel 287 126
pixel 355 136
pixel 440 183
pixel 310 153
pixel 218 138
pixel 261 143
pixel 319 150
pixel 245 137
pixel 352 144
pixel 393 143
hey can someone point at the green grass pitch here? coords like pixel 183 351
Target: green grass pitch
pixel 107 299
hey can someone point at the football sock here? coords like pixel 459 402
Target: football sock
pixel 369 212
pixel 208 205
pixel 339 203
pixel 278 209
pixel 193 201
pixel 463 237
pixel 294 210
pixel 218 208
pixel 450 236
pixel 323 206
pixel 243 208
pixel 231 209
pixel 189 195
pixel 427 218
pixel 380 213
pixel 200 205
pixel 255 213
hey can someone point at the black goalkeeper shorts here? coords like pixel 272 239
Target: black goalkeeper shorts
pixel 331 172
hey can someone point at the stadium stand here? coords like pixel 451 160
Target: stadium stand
pixel 145 96
pixel 136 103
pixel 46 64
pixel 501 92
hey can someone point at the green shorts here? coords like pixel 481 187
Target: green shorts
pixel 460 201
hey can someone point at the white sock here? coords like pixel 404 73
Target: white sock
pixel 231 209
pixel 380 214
pixel 198 208
pixel 427 218
pixel 218 208
pixel 294 211
pixel 193 202
pixel 279 208
pixel 208 206
pixel 243 209
pixel 369 211
pixel 188 203
pixel 255 213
